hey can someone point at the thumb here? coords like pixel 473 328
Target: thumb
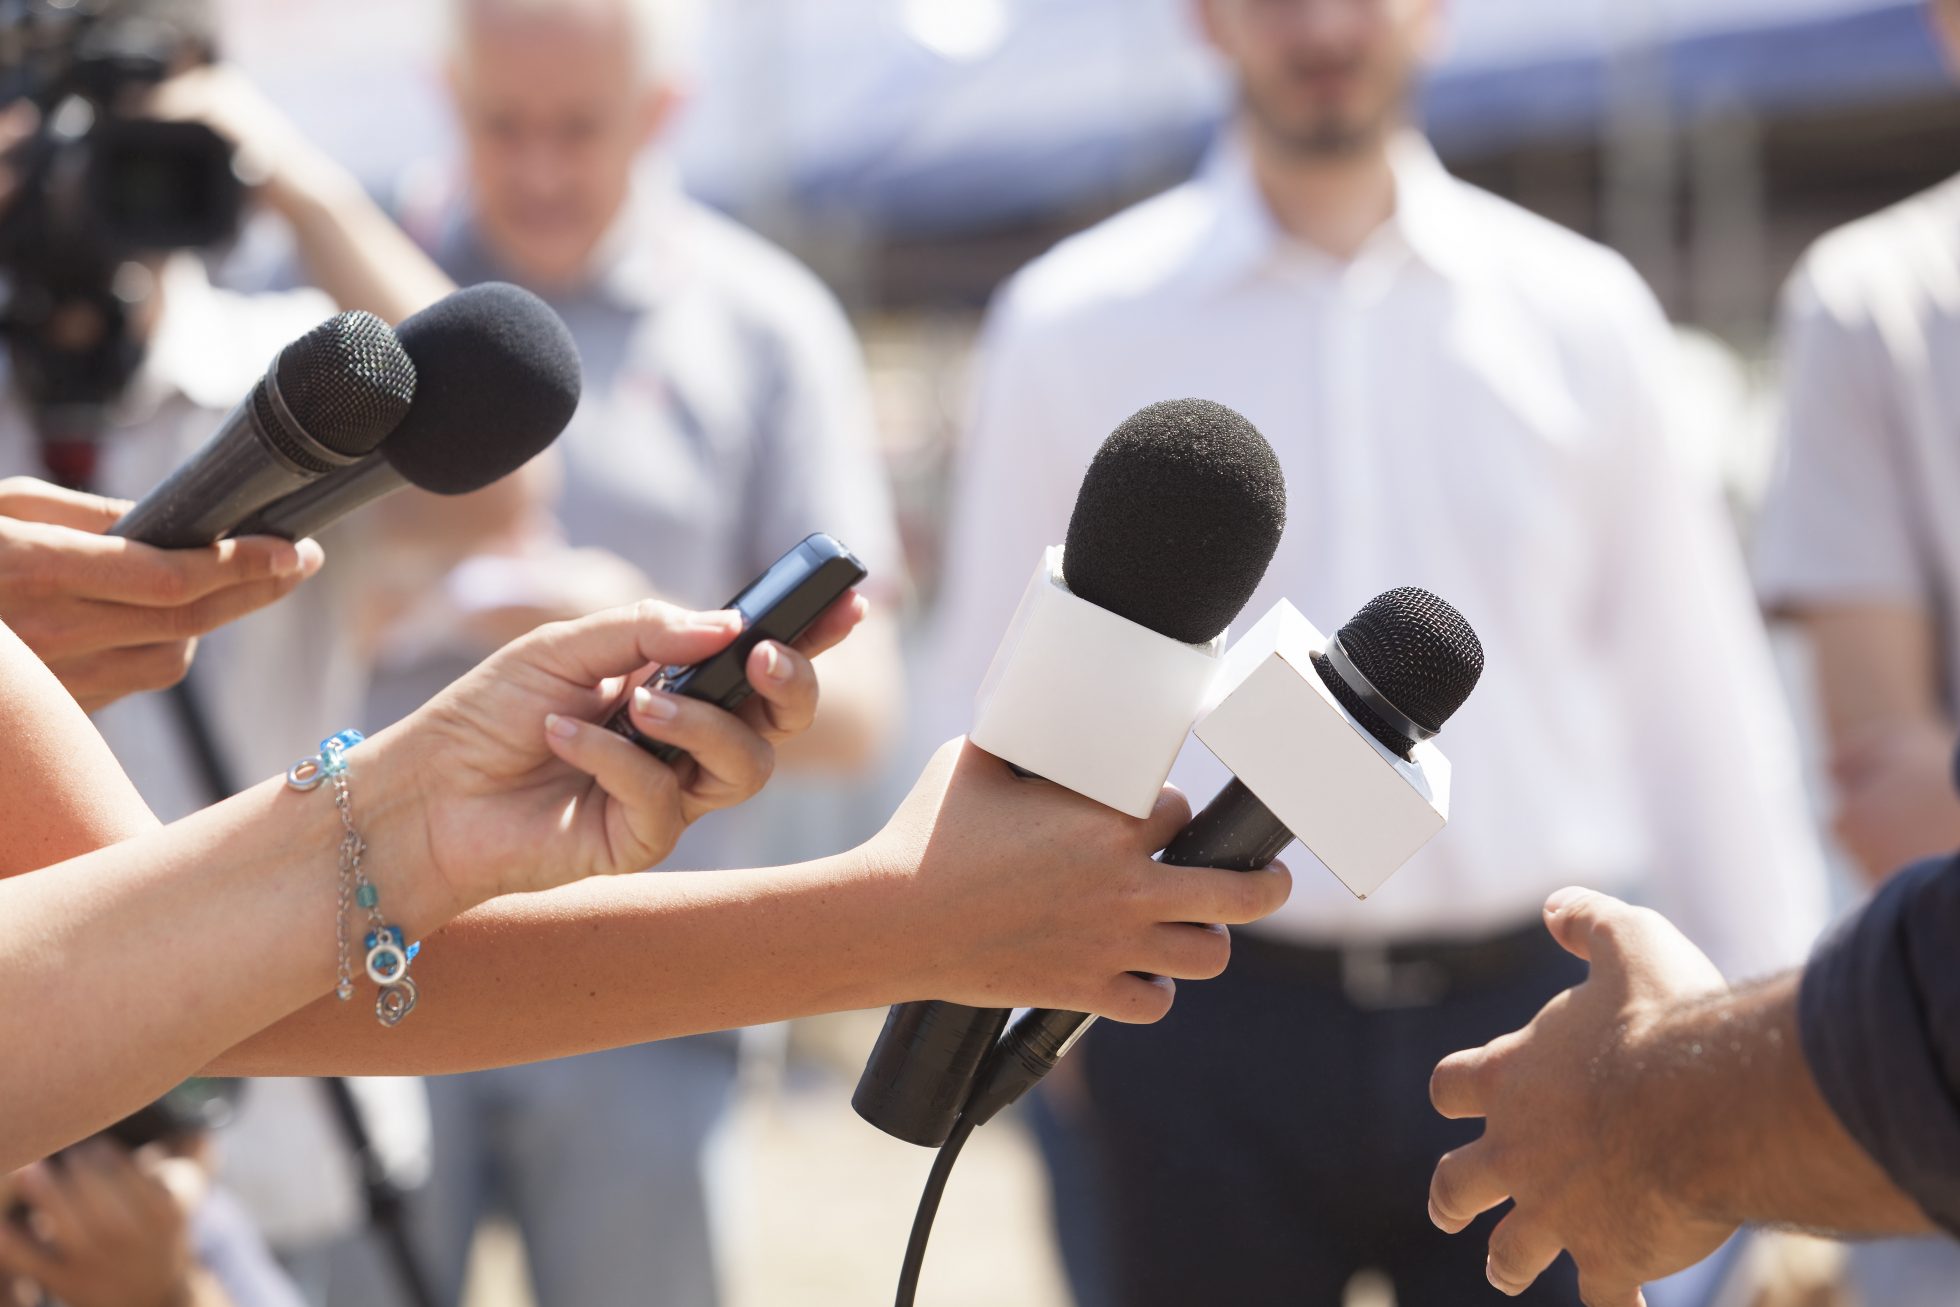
pixel 622 640
pixel 1575 916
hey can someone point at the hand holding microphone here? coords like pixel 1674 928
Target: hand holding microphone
pixel 113 617
pixel 1099 676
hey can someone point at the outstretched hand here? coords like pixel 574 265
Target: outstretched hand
pixel 1571 1105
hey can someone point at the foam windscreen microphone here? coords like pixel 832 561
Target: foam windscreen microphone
pixel 1299 730
pixel 497 379
pixel 326 402
pixel 1105 664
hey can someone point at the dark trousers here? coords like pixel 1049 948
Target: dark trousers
pixel 1273 1136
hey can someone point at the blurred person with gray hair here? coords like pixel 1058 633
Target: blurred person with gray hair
pixel 725 416
pixel 1858 547
pixel 1466 397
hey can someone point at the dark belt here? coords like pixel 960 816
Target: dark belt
pixel 1406 973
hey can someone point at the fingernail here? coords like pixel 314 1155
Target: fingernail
pixel 772 662
pixel 719 620
pixel 310 556
pixel 1490 1273
pixel 1563 899
pixel 562 727
pixel 659 707
pixel 1436 1218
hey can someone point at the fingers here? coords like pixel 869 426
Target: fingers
pixel 129 572
pixel 21 1255
pixel 785 699
pixel 26 499
pixel 1137 1000
pixel 1520 1250
pixel 44 1191
pixel 1574 915
pixel 731 760
pixel 1464 1186
pixel 1456 1086
pixel 646 789
pixel 102 678
pixel 1188 952
pixel 623 640
pixel 1171 814
pixel 1231 898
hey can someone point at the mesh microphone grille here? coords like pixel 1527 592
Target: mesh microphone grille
pixel 1417 650
pixel 347 383
pixel 1178 516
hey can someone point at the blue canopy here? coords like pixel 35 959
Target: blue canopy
pixel 951 114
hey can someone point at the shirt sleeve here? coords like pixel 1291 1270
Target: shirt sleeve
pixel 1838 522
pixel 1711 750
pixel 818 465
pixel 1879 1016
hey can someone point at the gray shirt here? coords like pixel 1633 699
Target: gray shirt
pixel 725 416
pixel 1864 504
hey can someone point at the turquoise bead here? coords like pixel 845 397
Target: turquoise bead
pixel 367 896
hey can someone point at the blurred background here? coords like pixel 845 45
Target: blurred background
pixel 916 153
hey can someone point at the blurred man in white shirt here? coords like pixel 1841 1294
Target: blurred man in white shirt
pixel 1464 397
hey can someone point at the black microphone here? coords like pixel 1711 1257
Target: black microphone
pixel 326 402
pixel 1179 513
pixel 1400 667
pixel 497 379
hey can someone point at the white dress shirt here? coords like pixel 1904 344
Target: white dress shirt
pixel 1475 403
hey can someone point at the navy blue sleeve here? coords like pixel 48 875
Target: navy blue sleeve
pixel 1879 1013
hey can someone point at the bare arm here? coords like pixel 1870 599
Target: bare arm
pixel 1891 738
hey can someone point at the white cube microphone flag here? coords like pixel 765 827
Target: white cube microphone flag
pixel 1362 809
pixel 1329 740
pixel 1100 675
pixel 1086 699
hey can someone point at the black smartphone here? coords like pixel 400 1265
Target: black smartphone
pixel 779 605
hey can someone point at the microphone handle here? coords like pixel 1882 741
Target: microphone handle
pixel 923 1066
pixel 314 507
pixel 238 471
pixel 1236 832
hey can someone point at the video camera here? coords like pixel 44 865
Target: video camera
pixel 98 187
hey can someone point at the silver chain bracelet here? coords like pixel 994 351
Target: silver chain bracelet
pixel 387 951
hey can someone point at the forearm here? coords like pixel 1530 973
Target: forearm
pixel 1745 1135
pixel 352 250
pixel 193 936
pixel 622 961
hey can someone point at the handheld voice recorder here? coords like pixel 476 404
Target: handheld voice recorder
pixel 779 605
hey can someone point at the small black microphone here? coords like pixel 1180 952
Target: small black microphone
pixel 1179 513
pixel 326 402
pixel 1401 667
pixel 497 380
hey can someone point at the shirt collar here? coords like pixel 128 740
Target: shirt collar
pixel 1429 219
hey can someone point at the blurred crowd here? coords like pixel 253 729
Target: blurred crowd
pixel 1463 394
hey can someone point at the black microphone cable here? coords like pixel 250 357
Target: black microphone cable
pixel 915 1247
